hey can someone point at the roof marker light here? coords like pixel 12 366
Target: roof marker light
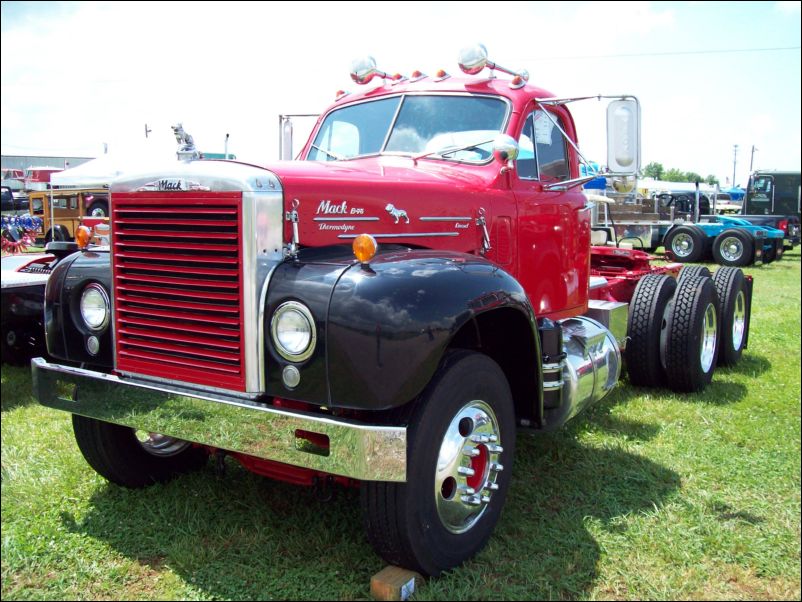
pixel 417 75
pixel 441 75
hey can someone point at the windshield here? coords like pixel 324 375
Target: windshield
pixel 458 128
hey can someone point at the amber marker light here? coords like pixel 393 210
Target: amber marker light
pixel 82 236
pixel 365 247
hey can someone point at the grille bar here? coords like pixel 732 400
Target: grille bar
pixel 177 260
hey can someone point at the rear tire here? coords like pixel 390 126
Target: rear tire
pixel 733 311
pixel 689 271
pixel 692 342
pixel 686 243
pixel 118 455
pixel 443 515
pixel 646 329
pixel 734 248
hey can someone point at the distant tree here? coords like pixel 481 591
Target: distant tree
pixel 654 170
pixel 712 180
pixel 691 176
pixel 673 175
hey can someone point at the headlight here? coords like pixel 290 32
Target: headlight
pixel 95 307
pixel 293 330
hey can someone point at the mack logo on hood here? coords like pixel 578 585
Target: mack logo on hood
pixel 172 185
pixel 327 208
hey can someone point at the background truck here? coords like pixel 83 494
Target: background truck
pixel 772 200
pixel 384 313
pixel 684 224
pixel 63 210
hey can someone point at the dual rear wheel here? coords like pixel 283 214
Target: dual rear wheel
pixel 679 331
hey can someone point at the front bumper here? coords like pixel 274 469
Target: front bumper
pixel 356 450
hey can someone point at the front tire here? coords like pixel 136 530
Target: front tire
pixel 460 441
pixel 132 459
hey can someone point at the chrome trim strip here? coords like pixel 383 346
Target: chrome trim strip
pixel 346 219
pixel 262 250
pixel 403 235
pixel 262 355
pixel 359 451
pixel 552 385
pixel 445 219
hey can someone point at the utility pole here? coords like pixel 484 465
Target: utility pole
pixel 734 161
pixel 147 131
pixel 752 160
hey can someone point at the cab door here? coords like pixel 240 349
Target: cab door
pixel 553 227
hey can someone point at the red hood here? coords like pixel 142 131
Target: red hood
pixel 430 204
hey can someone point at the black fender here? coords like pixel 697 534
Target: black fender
pixel 65 332
pixel 391 322
pixel 383 328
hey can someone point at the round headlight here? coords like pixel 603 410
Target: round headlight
pixel 95 307
pixel 293 330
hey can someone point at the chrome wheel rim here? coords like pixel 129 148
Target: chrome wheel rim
pixel 160 445
pixel 98 212
pixel 732 249
pixel 708 352
pixel 739 321
pixel 682 245
pixel 467 467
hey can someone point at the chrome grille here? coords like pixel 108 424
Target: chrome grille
pixel 177 260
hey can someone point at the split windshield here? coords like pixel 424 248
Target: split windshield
pixel 456 128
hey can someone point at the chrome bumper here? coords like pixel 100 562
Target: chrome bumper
pixel 359 451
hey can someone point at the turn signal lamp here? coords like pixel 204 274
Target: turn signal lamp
pixel 82 236
pixel 365 247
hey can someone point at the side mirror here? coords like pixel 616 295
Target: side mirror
pixel 623 136
pixel 505 148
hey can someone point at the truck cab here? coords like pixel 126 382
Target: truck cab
pixel 773 199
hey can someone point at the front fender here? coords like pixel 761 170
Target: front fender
pixel 389 323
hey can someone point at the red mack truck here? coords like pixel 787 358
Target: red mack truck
pixel 384 313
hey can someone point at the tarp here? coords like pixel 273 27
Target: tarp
pixel 92 174
pixel 103 170
pixel 736 194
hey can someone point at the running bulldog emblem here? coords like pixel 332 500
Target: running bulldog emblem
pixel 398 214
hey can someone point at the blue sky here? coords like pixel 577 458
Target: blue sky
pixel 709 75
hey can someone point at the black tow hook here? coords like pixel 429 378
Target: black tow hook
pixel 220 463
pixel 324 488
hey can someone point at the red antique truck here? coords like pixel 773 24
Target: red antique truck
pixel 384 313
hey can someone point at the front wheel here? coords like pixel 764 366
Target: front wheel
pixel 460 442
pixel 133 458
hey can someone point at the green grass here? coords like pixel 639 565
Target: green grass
pixel 649 495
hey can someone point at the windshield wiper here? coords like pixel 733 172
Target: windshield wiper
pixel 334 156
pixel 450 151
